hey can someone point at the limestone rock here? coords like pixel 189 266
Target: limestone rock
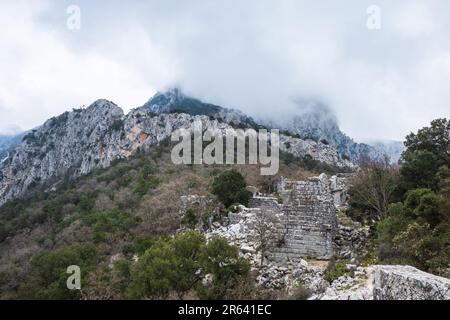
pixel 409 283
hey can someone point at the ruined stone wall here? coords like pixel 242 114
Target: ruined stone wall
pixel 309 220
pixel 338 185
pixel 305 223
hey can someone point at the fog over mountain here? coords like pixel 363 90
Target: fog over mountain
pixel 7 145
pixel 311 120
pixel 257 56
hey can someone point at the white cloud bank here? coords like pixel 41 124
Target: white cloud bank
pixel 255 55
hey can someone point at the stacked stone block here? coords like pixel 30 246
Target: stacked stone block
pixel 307 221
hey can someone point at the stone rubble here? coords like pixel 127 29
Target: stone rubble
pixel 356 286
pixel 349 242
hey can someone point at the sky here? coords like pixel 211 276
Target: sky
pixel 382 66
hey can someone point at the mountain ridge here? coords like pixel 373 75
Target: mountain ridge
pixel 314 121
pixel 85 139
pixel 8 144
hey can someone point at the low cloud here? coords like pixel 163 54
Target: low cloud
pixel 258 56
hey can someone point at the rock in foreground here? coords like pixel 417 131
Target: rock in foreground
pixel 408 283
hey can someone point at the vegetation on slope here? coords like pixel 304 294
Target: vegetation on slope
pixel 409 204
pixel 106 219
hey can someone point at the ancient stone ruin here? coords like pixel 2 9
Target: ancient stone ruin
pixel 308 223
pixel 303 216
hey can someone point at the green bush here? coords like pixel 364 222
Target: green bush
pixel 229 187
pixel 48 275
pixel 419 170
pixel 228 269
pixel 190 219
pixel 233 208
pixel 140 244
pixel 178 265
pixel 168 266
pixel 144 184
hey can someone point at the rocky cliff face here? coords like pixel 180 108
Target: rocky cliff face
pixel 85 139
pixel 8 144
pixel 72 140
pixel 314 121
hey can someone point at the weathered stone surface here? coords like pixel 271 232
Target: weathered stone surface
pixel 408 283
pixel 339 184
pixel 309 219
pixel 382 282
pixel 349 242
pixel 316 150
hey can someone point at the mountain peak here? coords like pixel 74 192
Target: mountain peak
pixel 103 104
pixel 175 101
pixel 171 100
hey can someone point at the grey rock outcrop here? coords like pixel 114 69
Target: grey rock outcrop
pixel 408 283
pixel 77 139
pixel 7 145
pixel 387 282
pixel 317 150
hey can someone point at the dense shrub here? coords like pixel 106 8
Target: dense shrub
pixel 419 170
pixel 169 266
pixel 104 223
pixel 230 188
pixel 140 244
pixel 190 219
pixel 144 184
pixel 417 230
pixel 178 265
pixel 48 275
pixel 227 268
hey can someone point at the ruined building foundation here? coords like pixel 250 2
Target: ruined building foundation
pixel 309 222
pixel 305 222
